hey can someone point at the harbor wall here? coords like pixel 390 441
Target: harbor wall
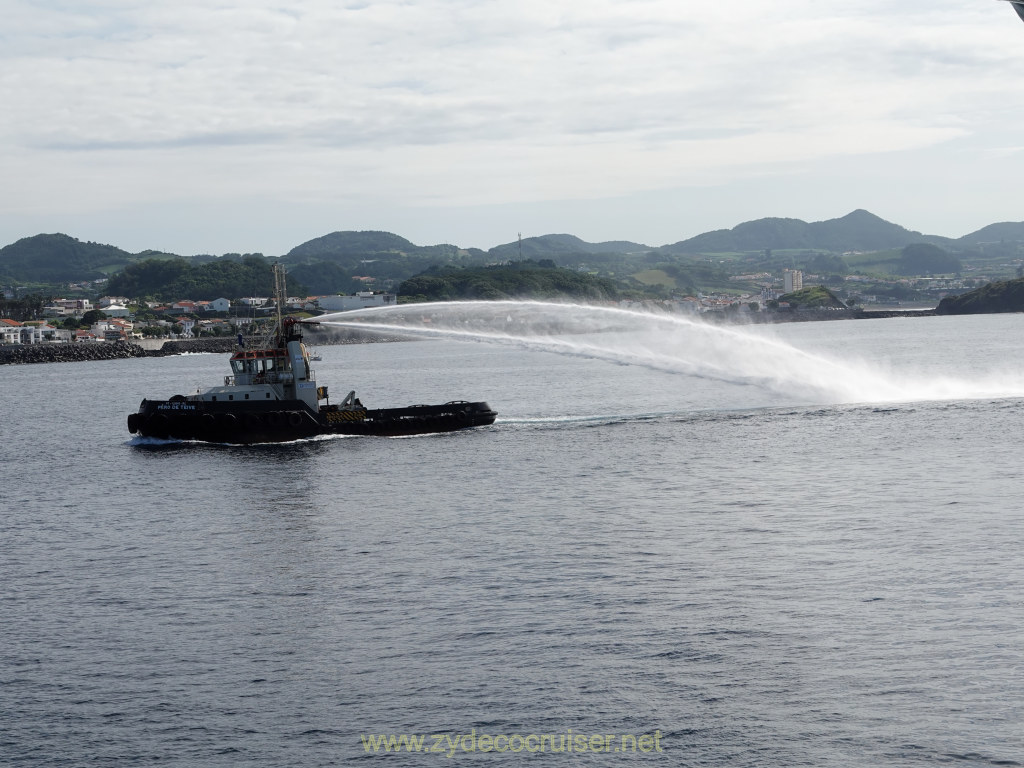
pixel 17 354
pixel 106 350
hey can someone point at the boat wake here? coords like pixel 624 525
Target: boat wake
pixel 159 444
pixel 674 344
pixel 587 420
pixel 150 442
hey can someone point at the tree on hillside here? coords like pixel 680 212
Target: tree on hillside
pixel 927 259
pixel 26 308
pixel 147 278
pixel 58 258
pixel 324 277
pixel 93 316
pixel 823 263
pixel 176 279
pixel 517 279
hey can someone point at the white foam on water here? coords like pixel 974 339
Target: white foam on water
pixel 675 344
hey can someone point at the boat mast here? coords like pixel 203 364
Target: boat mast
pixel 279 295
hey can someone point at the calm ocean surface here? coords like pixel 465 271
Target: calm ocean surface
pixel 764 576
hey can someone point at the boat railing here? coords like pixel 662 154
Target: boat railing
pixel 271 377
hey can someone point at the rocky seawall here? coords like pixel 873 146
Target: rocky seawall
pixel 194 346
pixel 18 354
pixel 68 353
pixel 117 350
pixel 887 313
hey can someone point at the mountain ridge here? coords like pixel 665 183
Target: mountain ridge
pixel 859 230
pixel 61 258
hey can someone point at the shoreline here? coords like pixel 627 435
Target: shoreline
pixel 27 354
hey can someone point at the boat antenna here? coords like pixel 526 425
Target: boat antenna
pixel 279 291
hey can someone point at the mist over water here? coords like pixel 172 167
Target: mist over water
pixel 743 355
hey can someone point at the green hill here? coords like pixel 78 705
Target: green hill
pixel 813 297
pixel 346 246
pixel 330 264
pixel 857 231
pixel 524 279
pixel 351 243
pixel 1002 296
pixel 1012 231
pixel 58 258
pixel 169 279
pixel 333 262
pixel 926 259
pixel 555 246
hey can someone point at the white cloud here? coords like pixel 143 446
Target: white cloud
pixel 451 103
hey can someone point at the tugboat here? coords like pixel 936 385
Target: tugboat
pixel 272 396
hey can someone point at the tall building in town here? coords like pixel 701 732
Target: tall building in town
pixel 793 280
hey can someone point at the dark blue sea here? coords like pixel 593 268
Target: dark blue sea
pixel 767 547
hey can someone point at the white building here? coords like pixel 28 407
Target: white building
pixel 10 332
pixel 68 308
pixel 36 333
pixel 360 300
pixel 56 335
pixel 74 305
pixel 107 301
pixel 112 329
pixel 793 280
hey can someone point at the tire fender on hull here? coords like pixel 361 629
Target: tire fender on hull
pixel 159 425
pixel 227 421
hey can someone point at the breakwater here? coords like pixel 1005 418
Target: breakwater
pixel 68 353
pixel 118 350
pixel 887 313
pixel 18 354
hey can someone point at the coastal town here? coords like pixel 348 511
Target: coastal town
pixel 119 319
pixel 115 319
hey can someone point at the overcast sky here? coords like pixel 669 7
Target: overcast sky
pixel 209 126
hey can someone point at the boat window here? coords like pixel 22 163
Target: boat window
pixel 238 366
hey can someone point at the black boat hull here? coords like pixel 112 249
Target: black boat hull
pixel 283 421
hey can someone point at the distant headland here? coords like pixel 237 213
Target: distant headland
pixel 995 297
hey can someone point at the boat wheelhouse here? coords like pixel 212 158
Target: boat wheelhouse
pixel 271 395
